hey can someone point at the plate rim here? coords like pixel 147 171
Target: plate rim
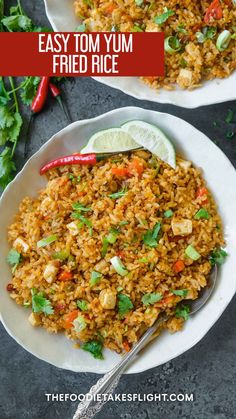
pixel 78 123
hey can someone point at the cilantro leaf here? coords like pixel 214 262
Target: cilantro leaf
pixel 6 117
pixel 14 257
pixel 40 304
pixel 152 298
pixel 164 16
pixel 152 237
pixel 180 293
pixel 182 312
pixel 124 305
pixel 95 278
pixel 82 304
pixel 4 96
pixel 7 166
pixel 94 347
pixel 17 23
pixel 29 89
pixel 218 257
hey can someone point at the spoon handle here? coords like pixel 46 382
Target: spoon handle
pixel 106 385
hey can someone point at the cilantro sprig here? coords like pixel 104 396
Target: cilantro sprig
pixel 152 237
pixel 40 304
pixel 94 347
pixel 124 305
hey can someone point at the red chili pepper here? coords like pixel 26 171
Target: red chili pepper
pixel 81 159
pixel 214 11
pixel 56 93
pixel 41 96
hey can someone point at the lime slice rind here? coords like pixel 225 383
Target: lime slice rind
pixel 153 139
pixel 110 140
pixel 131 136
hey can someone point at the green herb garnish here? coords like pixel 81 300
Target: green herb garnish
pixel 95 278
pixel 180 293
pixel 202 213
pixel 48 240
pixel 218 256
pixel 152 298
pixel 119 194
pixel 182 312
pixel 40 304
pixel 82 304
pixel 124 305
pixel 168 213
pixel 159 20
pixel 94 347
pixel 152 237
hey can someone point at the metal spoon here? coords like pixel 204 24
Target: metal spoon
pixel 106 385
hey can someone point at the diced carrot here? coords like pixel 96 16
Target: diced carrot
pixel 65 276
pixel 81 193
pixel 110 8
pixel 120 171
pixel 135 166
pixel 202 192
pixel 167 300
pixel 214 11
pixel 126 346
pixel 178 266
pixel 69 318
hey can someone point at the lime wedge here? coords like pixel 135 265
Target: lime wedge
pixel 153 139
pixel 110 140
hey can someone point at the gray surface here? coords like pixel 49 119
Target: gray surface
pixel 208 370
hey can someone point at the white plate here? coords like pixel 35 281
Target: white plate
pixel 221 178
pixel 62 18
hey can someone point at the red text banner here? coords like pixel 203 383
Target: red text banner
pixel 82 54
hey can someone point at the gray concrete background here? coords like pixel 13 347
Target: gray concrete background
pixel 208 370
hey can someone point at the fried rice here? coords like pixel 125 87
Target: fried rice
pixel 193 30
pixel 84 217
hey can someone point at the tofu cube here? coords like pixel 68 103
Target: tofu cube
pixel 181 227
pixel 73 228
pixel 50 272
pixel 21 245
pixel 107 299
pixel 34 320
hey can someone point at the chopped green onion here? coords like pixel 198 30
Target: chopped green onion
pixel 136 28
pixel 143 260
pixel 191 252
pixel 168 214
pixel 123 223
pixel 139 2
pixel 230 134
pixel 202 213
pixel 48 240
pixel 81 28
pixel 118 266
pixel 77 206
pixel 119 289
pixel 112 236
pixel 119 194
pixel 63 255
pixel 172 45
pixel 229 117
pixel 79 324
pixel 105 246
pixel 95 278
pixel 223 40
